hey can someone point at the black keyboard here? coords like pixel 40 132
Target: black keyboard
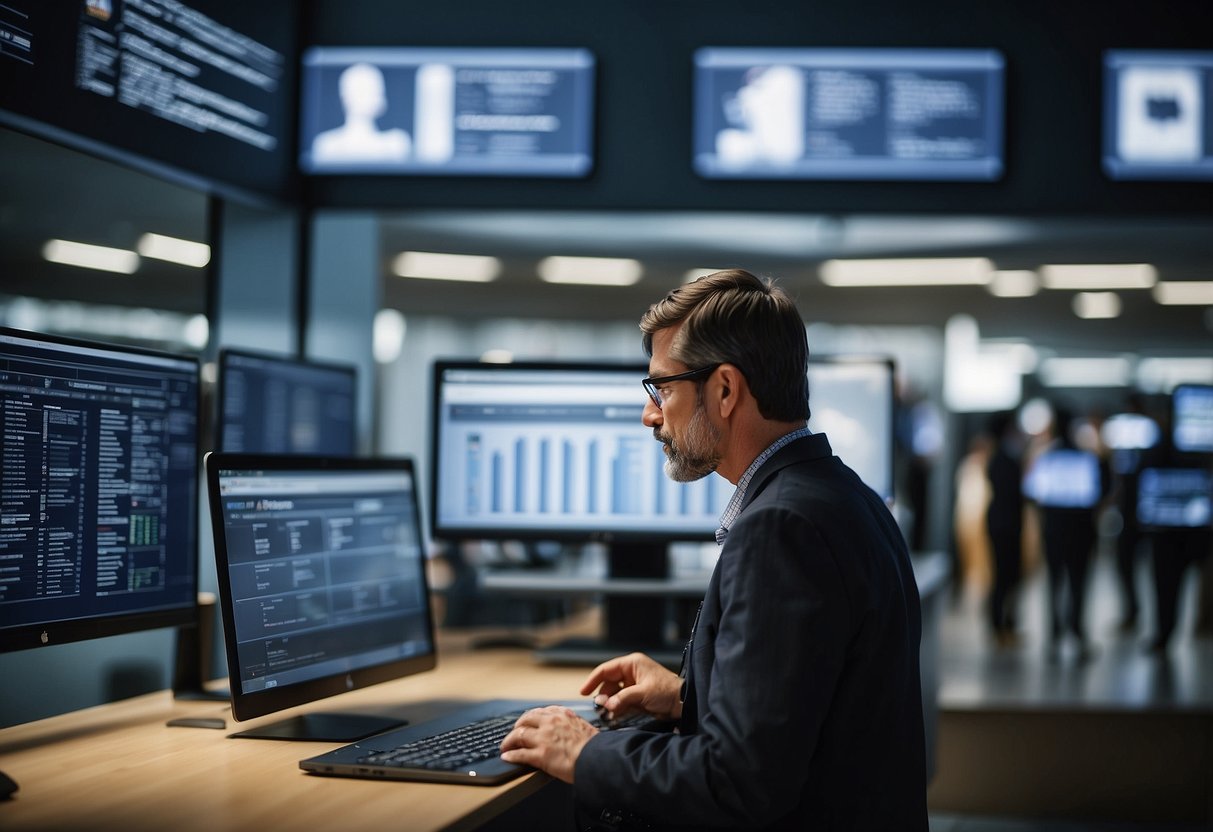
pixel 456 748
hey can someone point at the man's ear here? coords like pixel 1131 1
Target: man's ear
pixel 731 388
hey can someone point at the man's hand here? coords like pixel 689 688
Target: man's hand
pixel 550 739
pixel 635 683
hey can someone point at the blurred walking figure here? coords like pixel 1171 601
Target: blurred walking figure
pixel 1067 484
pixel 1004 523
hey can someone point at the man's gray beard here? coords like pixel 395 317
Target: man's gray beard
pixel 697 457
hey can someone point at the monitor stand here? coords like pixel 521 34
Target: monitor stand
pixel 323 728
pixel 189 667
pixel 631 622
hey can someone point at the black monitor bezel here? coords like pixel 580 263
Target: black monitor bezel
pixel 267 701
pixel 227 353
pixel 49 634
pixel 1174 414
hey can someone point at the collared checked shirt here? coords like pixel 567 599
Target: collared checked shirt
pixel 738 499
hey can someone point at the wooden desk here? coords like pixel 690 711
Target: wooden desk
pixel 118 766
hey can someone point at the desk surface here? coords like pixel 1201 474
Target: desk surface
pixel 118 766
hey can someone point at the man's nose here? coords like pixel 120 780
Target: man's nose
pixel 651 417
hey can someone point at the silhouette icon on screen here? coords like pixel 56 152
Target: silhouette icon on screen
pixel 768 110
pixel 359 139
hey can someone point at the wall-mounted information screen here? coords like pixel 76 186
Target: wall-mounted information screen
pixel 202 87
pixel 1158 115
pixel 477 112
pixel 848 114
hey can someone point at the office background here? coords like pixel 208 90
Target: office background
pixel 306 265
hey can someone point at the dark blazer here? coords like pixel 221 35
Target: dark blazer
pixel 803 706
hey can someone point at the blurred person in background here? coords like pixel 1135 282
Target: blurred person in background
pixel 1004 523
pixel 1067 484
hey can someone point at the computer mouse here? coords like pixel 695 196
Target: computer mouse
pixel 7 786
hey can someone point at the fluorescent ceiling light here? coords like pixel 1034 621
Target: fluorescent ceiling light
pixel 429 265
pixel 944 271
pixel 1184 292
pixel 1099 276
pixel 174 250
pixel 1096 305
pixel 591 271
pixel 1160 375
pixel 86 256
pixel 1114 371
pixel 1022 283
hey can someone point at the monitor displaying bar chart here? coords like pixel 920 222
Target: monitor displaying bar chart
pixel 559 452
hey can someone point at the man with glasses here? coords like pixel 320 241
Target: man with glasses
pixel 799 703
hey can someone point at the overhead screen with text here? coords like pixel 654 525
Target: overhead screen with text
pixel 911 114
pixel 201 89
pixel 444 111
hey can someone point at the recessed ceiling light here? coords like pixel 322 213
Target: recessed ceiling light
pixel 87 256
pixel 1184 292
pixel 174 250
pixel 1111 371
pixel 430 265
pixel 1096 305
pixel 941 271
pixel 1021 283
pixel 591 271
pixel 1099 276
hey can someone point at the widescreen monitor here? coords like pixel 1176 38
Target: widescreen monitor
pixel 98 491
pixel 896 114
pixel 1158 115
pixel 447 111
pixel 558 451
pixel 1064 478
pixel 322 582
pixel 1178 498
pixel 274 404
pixel 1192 418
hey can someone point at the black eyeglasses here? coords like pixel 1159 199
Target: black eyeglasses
pixel 651 384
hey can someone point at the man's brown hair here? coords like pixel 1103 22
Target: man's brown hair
pixel 737 318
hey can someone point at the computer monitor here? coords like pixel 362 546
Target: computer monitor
pixel 278 405
pixel 852 403
pixel 557 451
pixel 1192 418
pixel 1064 478
pixel 98 490
pixel 322 584
pixel 1175 498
